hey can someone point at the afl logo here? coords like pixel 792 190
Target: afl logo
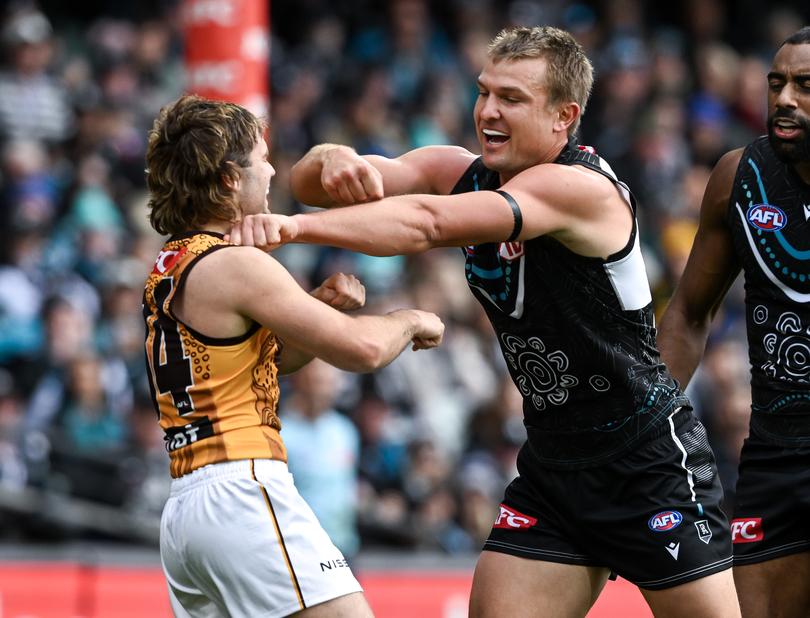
pixel 766 217
pixel 665 521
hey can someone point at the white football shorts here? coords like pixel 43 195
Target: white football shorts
pixel 237 539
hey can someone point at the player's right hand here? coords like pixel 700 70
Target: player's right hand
pixel 263 231
pixel 429 332
pixel 349 179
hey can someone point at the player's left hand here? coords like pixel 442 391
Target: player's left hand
pixel 343 292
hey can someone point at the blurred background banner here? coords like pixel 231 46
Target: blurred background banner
pixel 227 51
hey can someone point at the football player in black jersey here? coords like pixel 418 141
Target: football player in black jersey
pixel 755 217
pixel 616 474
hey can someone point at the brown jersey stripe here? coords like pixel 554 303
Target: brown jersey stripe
pixel 275 443
pixel 280 536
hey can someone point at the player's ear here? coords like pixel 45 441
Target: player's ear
pixel 567 114
pixel 230 177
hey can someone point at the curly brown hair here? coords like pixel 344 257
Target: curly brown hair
pixel 193 146
pixel 569 73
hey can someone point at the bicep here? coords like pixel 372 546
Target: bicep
pixel 549 198
pixel 270 296
pixel 432 170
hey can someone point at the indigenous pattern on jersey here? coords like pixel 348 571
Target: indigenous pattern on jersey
pixel 216 398
pixel 577 333
pixel 769 215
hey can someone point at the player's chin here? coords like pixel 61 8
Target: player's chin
pixel 791 151
pixel 493 161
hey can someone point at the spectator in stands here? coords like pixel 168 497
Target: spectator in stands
pixel 323 448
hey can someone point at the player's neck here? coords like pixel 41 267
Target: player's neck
pixel 216 225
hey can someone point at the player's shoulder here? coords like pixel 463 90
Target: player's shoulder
pixel 565 179
pixel 728 163
pixel 235 262
pixel 720 186
pixel 722 178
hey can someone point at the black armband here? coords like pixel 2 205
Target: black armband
pixel 515 213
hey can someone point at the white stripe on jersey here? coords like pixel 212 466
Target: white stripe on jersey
pixel 628 276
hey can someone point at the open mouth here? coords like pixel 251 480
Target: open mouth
pixel 494 138
pixel 786 129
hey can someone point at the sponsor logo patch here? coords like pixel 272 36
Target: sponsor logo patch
pixel 703 530
pixel 673 549
pixel 766 217
pixel 747 530
pixel 328 565
pixel 511 519
pixel 665 521
pixel 166 259
pixel 178 437
pixel 511 250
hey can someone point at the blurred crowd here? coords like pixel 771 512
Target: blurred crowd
pixel 418 454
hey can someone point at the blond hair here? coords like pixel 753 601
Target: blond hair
pixel 193 145
pixel 569 73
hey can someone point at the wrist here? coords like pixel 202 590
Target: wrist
pixel 297 231
pixel 410 319
pixel 326 151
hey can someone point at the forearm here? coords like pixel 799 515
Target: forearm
pixel 305 176
pixel 405 224
pixel 393 226
pixel 681 342
pixel 372 342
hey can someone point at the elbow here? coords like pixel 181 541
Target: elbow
pixel 427 230
pixel 363 356
pixel 369 356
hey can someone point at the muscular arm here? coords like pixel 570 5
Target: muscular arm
pixel 230 287
pixel 581 208
pixel 333 175
pixel 710 271
pixel 342 292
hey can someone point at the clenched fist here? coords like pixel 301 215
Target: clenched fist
pixel 263 231
pixel 343 292
pixel 349 179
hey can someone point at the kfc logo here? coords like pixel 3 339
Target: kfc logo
pixel 511 250
pixel 746 530
pixel 167 259
pixel 512 519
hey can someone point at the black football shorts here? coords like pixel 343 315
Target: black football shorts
pixel 772 508
pixel 652 516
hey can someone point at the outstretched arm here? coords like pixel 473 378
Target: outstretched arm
pixel 244 284
pixel 710 271
pixel 334 175
pixel 580 208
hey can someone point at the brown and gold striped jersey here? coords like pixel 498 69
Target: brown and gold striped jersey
pixel 216 398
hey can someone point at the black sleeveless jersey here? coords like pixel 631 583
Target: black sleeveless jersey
pixel 769 216
pixel 578 336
